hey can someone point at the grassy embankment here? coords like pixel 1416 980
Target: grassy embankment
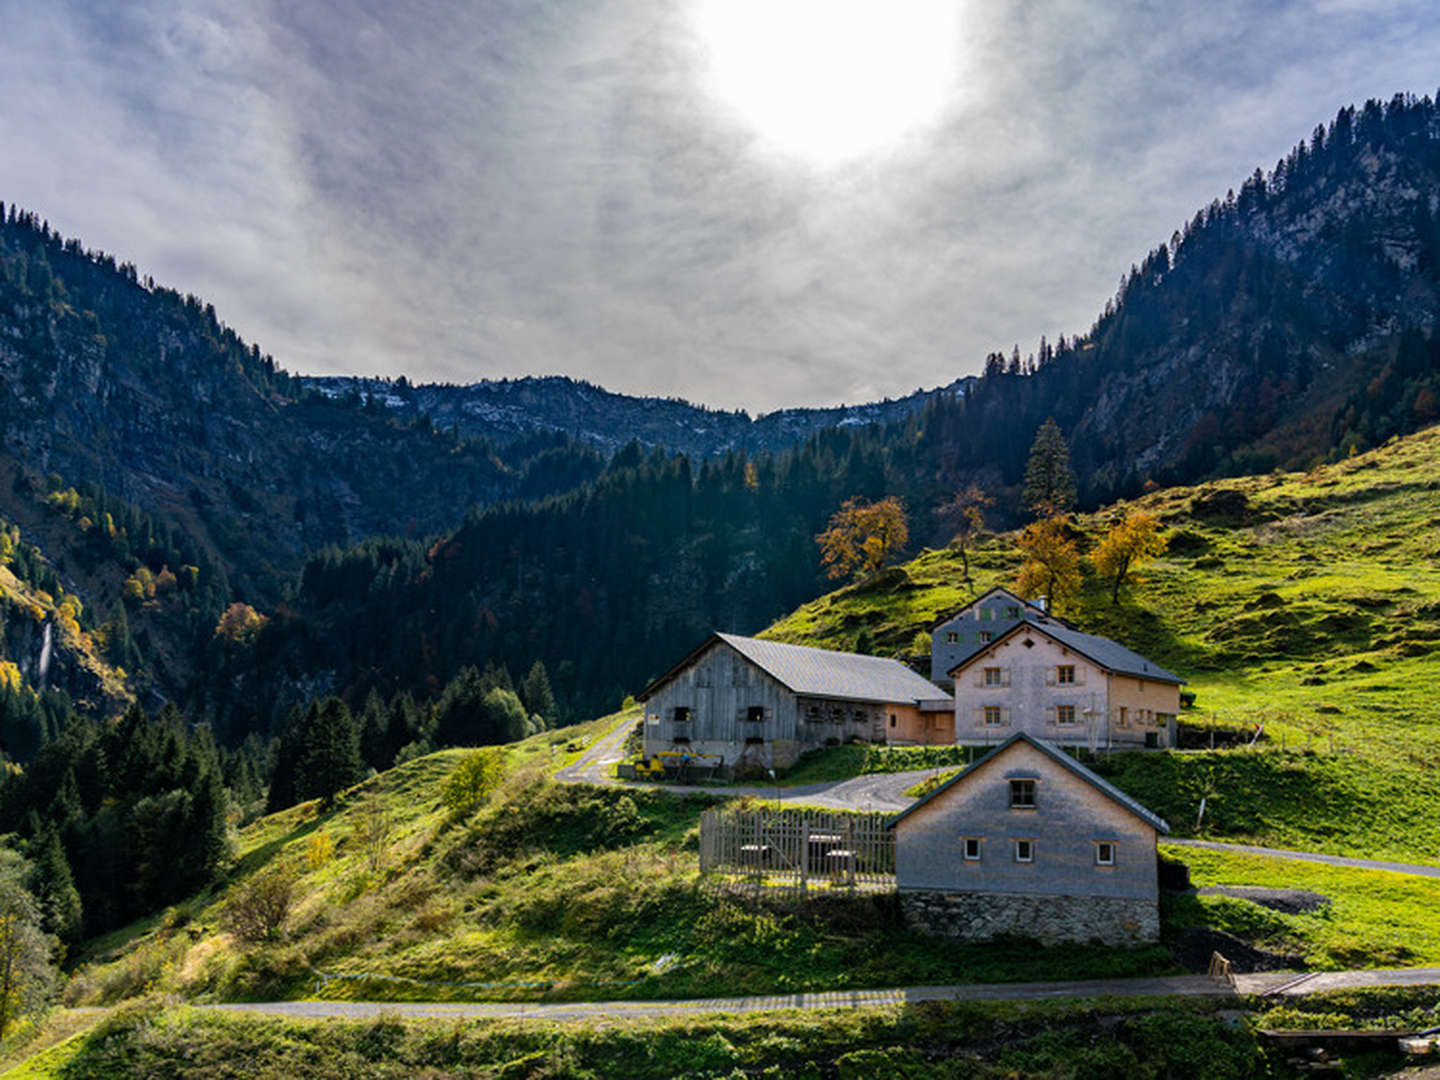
pixel 1311 606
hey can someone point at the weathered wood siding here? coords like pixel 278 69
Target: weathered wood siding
pixel 720 688
pixel 1070 816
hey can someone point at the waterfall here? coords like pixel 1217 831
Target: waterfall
pixel 44 666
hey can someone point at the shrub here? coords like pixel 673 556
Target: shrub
pixel 258 909
pixel 474 779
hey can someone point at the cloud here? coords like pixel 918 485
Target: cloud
pixel 456 191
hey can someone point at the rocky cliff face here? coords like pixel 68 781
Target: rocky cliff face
pixel 504 410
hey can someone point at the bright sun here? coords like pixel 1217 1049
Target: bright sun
pixel 831 80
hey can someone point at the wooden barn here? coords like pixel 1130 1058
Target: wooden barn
pixel 764 703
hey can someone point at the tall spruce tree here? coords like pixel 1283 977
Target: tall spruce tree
pixel 1049 481
pixel 535 692
pixel 329 758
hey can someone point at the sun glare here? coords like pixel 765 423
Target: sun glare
pixel 831 80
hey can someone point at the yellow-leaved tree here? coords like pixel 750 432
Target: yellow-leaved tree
pixel 1052 563
pixel 862 536
pixel 1131 542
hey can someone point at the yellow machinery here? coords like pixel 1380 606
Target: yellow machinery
pixel 677 765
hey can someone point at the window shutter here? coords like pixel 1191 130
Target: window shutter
pixel 1050 676
pixel 1005 676
pixel 1005 716
pixel 1079 675
pixel 1052 715
pixel 979 677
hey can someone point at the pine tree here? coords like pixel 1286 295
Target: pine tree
pixel 535 692
pixel 329 758
pixel 1049 481
pixel 54 887
pixel 207 832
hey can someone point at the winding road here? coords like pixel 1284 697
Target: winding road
pixel 886 791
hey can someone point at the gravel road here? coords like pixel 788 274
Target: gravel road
pixel 1179 985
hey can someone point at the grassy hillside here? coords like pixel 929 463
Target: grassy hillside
pixel 569 892
pixel 1306 602
pixel 548 891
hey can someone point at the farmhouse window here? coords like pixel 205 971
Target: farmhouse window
pixel 1104 853
pixel 1124 716
pixel 1024 850
pixel 994 716
pixel 972 848
pixel 1065 714
pixel 813 714
pixel 994 676
pixel 985 637
pixel 951 637
pixel 755 714
pixel 682 714
pixel 858 716
pixel 1012 612
pixel 892 719
pixel 1065 674
pixel 1022 794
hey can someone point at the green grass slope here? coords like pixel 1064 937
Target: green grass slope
pixel 1306 602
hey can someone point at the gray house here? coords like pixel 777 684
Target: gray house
pixel 967 630
pixel 1027 841
pixel 765 703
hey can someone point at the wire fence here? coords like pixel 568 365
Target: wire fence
pixel 798 849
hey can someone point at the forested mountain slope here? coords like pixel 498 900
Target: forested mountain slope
pixel 1285 322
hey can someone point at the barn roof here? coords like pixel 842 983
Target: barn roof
pixel 822 672
pixel 1110 655
pixel 1059 756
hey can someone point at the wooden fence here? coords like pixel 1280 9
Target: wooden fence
pixel 800 848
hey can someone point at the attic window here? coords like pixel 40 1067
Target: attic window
pixel 1022 794
pixel 1012 612
pixel 951 637
pixel 985 636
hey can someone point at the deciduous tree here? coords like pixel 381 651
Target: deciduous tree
pixel 1131 542
pixel 1052 563
pixel 862 536
pixel 965 513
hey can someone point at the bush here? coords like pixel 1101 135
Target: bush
pixel 473 780
pixel 258 909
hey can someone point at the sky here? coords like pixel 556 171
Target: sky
pixel 750 204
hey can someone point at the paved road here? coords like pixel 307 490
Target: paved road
pixel 1178 985
pixel 879 791
pixel 1419 869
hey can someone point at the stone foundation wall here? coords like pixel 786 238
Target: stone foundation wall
pixel 1048 919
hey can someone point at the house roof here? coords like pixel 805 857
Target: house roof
pixel 1059 756
pixel 1110 655
pixel 982 597
pixel 821 672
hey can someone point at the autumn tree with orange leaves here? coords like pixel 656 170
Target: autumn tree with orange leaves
pixel 862 536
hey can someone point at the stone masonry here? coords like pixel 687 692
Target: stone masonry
pixel 1108 920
